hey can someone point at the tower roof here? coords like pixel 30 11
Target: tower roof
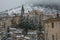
pixel 22 9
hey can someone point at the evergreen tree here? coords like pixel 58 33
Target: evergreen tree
pixel 32 24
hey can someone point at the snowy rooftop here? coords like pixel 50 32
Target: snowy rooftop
pixel 23 37
pixel 20 36
pixel 32 32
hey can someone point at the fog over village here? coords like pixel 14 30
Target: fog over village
pixel 29 19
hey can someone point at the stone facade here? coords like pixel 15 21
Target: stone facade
pixel 51 28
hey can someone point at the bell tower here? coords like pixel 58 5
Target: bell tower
pixel 22 10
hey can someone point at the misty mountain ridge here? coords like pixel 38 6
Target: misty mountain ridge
pixel 51 6
pixel 45 8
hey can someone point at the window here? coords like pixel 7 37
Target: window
pixel 52 25
pixel 0 18
pixel 11 21
pixel 52 37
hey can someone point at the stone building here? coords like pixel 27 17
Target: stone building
pixel 52 29
pixel 16 19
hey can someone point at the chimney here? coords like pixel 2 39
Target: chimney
pixel 57 15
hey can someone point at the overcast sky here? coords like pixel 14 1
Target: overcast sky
pixel 7 4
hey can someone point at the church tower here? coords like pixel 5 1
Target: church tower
pixel 22 10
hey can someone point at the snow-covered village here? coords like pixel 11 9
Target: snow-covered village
pixel 30 21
